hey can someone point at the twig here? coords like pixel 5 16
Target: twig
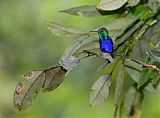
pixel 153 67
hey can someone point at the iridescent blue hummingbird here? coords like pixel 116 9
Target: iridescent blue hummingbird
pixel 105 41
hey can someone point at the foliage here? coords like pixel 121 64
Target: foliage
pixel 136 38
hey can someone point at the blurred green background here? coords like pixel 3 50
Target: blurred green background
pixel 26 44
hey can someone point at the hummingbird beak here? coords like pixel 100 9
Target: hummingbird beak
pixel 93 31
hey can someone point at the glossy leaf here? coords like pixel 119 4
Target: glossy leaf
pixel 100 90
pixel 119 73
pixel 109 5
pixel 85 10
pixel 60 30
pixel 54 76
pixel 132 104
pixel 27 89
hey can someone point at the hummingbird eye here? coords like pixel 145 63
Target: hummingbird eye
pixel 102 31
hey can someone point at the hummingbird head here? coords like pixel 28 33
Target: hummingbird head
pixel 102 32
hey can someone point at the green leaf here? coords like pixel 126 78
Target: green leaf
pixel 135 75
pixel 139 51
pixel 28 88
pixel 133 69
pixel 132 105
pixel 54 76
pixel 130 32
pixel 85 10
pixel 109 5
pixel 152 34
pixel 119 73
pixel 144 78
pixel 133 3
pixel 133 64
pixel 110 66
pixel 100 90
pixel 60 30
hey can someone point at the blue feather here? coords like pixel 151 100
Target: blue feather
pixel 106 44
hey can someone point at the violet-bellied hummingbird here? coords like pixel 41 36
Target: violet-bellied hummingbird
pixel 105 41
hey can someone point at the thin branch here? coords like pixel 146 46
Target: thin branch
pixel 153 67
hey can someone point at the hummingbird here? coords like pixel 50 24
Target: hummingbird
pixel 105 41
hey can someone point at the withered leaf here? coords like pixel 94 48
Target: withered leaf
pixel 54 76
pixel 27 89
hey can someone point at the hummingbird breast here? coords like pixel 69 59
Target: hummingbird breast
pixel 106 44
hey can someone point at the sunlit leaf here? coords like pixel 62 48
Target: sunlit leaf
pixel 109 5
pixel 28 88
pixel 132 104
pixel 59 30
pixel 119 73
pixel 54 76
pixel 83 10
pixel 100 90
